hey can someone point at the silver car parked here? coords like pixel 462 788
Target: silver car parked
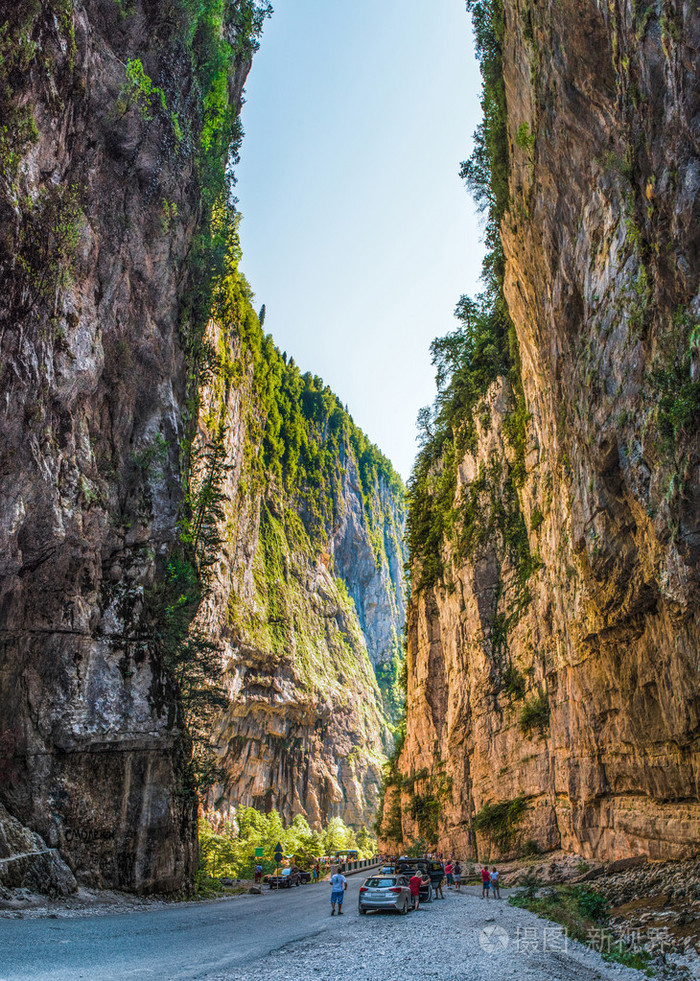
pixel 385 892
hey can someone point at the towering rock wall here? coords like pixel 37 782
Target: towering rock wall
pixel 103 155
pixel 553 663
pixel 313 515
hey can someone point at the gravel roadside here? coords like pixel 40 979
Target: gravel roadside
pixel 462 937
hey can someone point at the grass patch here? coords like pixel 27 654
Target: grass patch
pixel 584 914
pixel 534 717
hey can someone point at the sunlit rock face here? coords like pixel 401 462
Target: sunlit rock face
pixel 299 605
pixel 92 378
pixel 596 638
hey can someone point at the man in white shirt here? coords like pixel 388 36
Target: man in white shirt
pixel 338 886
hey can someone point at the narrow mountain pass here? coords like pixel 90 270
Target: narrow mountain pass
pixel 291 934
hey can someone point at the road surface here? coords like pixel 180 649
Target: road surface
pixel 290 935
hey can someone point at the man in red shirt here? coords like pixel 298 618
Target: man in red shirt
pixel 414 884
pixel 485 882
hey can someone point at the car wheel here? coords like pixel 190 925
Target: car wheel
pixel 404 908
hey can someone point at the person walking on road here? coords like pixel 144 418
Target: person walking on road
pixel 485 882
pixel 495 879
pixel 457 873
pixel 338 886
pixel 449 870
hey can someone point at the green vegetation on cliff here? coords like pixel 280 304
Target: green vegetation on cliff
pixel 498 823
pixel 469 359
pixel 302 457
pixel 306 438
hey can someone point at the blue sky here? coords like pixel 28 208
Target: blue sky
pixel 357 233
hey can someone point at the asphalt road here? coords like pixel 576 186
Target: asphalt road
pixel 181 942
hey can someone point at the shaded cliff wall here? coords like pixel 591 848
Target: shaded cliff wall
pixel 553 662
pixel 105 145
pixel 312 513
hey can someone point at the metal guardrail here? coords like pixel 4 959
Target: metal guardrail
pixel 352 868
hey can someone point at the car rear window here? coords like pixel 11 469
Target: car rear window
pixel 382 883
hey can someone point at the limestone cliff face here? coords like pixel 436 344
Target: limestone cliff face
pixel 99 206
pixel 305 729
pixel 371 564
pixel 557 659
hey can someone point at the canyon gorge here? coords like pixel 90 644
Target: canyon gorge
pixel 202 595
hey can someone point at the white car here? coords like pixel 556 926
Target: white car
pixel 384 892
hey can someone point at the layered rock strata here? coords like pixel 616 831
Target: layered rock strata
pixel 555 667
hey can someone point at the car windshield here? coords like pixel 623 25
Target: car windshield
pixel 378 883
pixel 286 871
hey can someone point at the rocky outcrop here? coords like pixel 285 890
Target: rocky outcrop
pixel 553 669
pixel 99 206
pixel 26 862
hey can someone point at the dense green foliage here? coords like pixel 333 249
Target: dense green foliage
pixel 307 437
pixel 428 792
pixel 229 851
pixel 514 682
pixel 499 822
pixel 678 392
pixel 534 717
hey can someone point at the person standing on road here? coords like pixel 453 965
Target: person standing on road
pixel 495 878
pixel 449 872
pixel 414 884
pixel 457 873
pixel 485 882
pixel 338 886
pixel 438 888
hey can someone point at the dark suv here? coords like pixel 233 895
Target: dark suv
pixel 286 878
pixel 409 866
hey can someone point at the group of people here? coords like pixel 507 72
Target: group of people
pixel 453 875
pixel 490 880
